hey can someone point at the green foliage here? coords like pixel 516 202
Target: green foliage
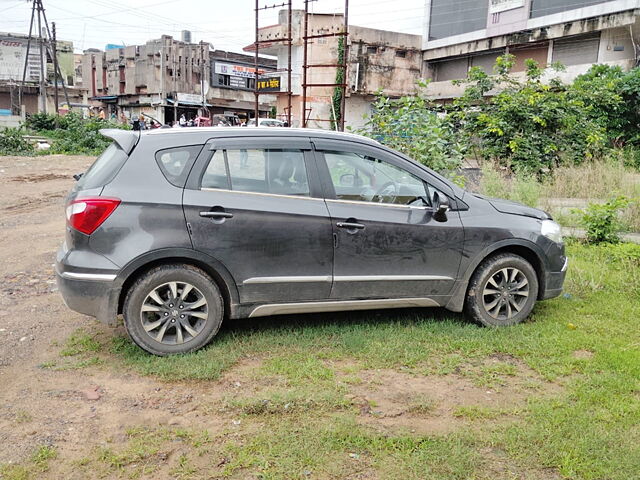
pixel 336 100
pixel 13 143
pixel 528 127
pixel 412 126
pixel 602 221
pixel 71 133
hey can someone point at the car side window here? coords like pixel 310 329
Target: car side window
pixel 278 171
pixel 363 178
pixel 173 162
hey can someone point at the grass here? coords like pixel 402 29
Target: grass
pixel 299 417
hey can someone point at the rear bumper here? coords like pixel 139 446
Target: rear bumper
pixel 554 282
pixel 92 294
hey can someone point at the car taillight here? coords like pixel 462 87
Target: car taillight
pixel 87 214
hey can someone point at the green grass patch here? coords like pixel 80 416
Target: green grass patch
pixel 585 427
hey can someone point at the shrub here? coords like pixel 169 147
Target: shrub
pixel 12 142
pixel 602 221
pixel 412 126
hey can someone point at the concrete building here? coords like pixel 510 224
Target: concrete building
pixel 163 79
pixel 378 60
pixel 460 34
pixel 13 52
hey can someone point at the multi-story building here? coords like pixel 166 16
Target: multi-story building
pixel 163 79
pixel 13 53
pixel 378 60
pixel 460 34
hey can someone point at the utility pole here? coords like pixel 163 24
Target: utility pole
pixel 54 47
pixel 38 9
pixel 255 62
pixel 289 46
pixel 202 70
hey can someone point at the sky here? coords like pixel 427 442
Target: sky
pixel 226 24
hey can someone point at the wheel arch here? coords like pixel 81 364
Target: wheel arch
pixel 216 270
pixel 531 252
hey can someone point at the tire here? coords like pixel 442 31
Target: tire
pixel 495 301
pixel 173 309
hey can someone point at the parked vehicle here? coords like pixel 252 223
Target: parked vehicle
pixel 266 122
pixel 179 229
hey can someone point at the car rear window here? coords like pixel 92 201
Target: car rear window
pixel 175 163
pixel 104 169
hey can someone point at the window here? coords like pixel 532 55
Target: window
pixel 367 179
pixel 401 53
pixel 224 80
pixel 173 162
pixel 104 169
pixel 372 50
pixel 276 171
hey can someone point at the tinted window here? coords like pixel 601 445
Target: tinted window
pixel 175 162
pixel 540 8
pixel 454 17
pixel 367 179
pixel 258 170
pixel 104 169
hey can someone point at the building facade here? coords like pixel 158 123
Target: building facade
pixel 378 60
pixel 460 34
pixel 13 54
pixel 163 79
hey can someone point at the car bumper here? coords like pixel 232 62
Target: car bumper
pixel 554 282
pixel 92 294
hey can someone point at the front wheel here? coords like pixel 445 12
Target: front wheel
pixel 173 309
pixel 502 291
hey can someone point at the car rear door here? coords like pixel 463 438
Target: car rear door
pixel 388 243
pixel 256 206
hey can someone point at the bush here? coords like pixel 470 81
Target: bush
pixel 12 142
pixel 412 126
pixel 72 134
pixel 602 221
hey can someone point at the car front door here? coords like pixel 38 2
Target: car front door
pixel 256 206
pixel 387 241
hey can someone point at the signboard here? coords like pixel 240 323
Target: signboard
pixel 236 70
pixel 497 6
pixel 238 82
pixel 189 97
pixel 269 84
pixel 13 51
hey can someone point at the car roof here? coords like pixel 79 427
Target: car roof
pixel 206 133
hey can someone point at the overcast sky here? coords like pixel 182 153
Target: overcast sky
pixel 227 24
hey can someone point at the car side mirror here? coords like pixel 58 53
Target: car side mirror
pixel 348 180
pixel 440 207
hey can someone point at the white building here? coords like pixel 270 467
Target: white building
pixel 460 34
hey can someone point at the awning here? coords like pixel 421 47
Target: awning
pixel 106 98
pixel 189 104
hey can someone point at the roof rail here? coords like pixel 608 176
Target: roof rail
pixel 126 139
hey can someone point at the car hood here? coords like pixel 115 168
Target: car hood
pixel 515 208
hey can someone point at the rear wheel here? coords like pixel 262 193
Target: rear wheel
pixel 502 291
pixel 173 309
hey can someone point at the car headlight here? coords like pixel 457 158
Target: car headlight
pixel 551 230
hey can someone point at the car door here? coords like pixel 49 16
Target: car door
pixel 387 242
pixel 255 205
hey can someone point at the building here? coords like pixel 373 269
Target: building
pixel 13 52
pixel 164 79
pixel 233 79
pixel 378 60
pixel 460 34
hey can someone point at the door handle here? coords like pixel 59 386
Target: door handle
pixel 350 225
pixel 216 214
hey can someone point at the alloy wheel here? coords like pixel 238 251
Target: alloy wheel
pixel 174 313
pixel 505 293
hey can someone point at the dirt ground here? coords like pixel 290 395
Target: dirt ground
pixel 77 410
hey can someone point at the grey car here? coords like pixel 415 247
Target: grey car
pixel 179 229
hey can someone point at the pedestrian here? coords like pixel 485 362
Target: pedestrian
pixel 102 115
pixel 183 121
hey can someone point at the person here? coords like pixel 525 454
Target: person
pixel 136 123
pixel 183 121
pixel 102 115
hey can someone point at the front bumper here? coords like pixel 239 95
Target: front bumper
pixel 95 295
pixel 554 282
